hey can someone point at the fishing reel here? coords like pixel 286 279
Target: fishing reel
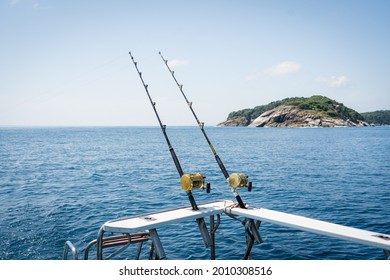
pixel 239 180
pixel 195 181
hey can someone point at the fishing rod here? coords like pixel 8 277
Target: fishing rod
pixel 235 180
pixel 188 182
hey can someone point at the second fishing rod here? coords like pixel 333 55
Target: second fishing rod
pixel 188 182
pixel 235 180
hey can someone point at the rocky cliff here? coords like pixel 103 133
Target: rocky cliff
pixel 291 116
pixel 315 111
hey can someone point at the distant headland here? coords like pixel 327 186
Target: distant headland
pixel 314 111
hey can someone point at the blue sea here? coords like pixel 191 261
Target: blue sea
pixel 59 184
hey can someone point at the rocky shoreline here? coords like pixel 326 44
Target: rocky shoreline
pixel 292 116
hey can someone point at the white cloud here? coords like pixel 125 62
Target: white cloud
pixel 14 2
pixel 177 63
pixel 280 69
pixel 334 81
pixel 283 68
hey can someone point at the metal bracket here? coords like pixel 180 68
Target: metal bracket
pixel 255 231
pixel 251 230
pixel 204 232
pixel 213 228
pixel 252 235
pixel 157 244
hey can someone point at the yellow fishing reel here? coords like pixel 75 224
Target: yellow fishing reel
pixel 190 182
pixel 239 180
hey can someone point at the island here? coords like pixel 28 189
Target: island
pixel 314 111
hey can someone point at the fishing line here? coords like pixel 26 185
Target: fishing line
pixel 188 182
pixel 235 180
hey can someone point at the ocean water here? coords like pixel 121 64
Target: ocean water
pixel 59 184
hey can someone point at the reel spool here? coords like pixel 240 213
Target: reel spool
pixel 237 180
pixel 189 182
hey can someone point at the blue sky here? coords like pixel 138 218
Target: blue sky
pixel 67 63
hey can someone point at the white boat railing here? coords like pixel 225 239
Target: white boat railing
pixel 139 229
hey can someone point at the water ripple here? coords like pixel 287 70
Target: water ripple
pixel 59 184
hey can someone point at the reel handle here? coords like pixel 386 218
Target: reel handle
pixel 208 188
